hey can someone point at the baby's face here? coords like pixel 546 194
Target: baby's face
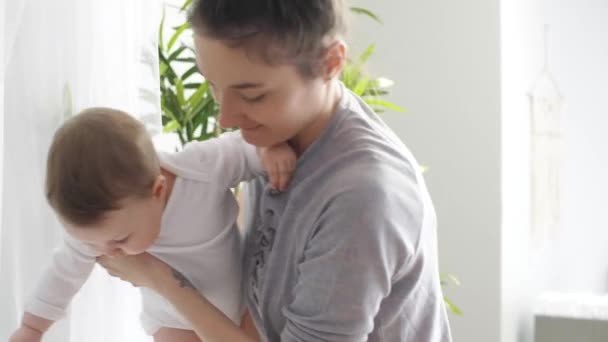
pixel 129 230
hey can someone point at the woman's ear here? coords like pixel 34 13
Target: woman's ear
pixel 334 61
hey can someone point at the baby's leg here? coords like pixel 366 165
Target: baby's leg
pixel 173 335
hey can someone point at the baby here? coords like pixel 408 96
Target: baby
pixel 114 195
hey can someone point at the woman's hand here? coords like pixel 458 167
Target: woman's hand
pixel 141 270
pixel 209 323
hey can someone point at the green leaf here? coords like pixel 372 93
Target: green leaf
pixel 198 95
pixel 189 72
pixel 204 136
pixel 350 75
pixel 163 69
pixel 453 308
pixel 172 126
pixel 161 43
pixel 192 85
pixel 189 131
pixel 187 59
pixel 186 5
pixel 169 72
pixel 367 13
pixel 176 54
pixel 176 35
pixel 179 87
pixel 377 87
pixel 367 53
pixel 447 278
pixel 200 114
pixel 167 112
pixel 371 91
pixel 361 86
pixel 383 103
pixel 182 140
pixel 170 104
pixel 203 121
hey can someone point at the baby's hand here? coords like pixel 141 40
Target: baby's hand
pixel 280 162
pixel 26 334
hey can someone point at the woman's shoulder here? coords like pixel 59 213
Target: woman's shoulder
pixel 363 158
pixel 367 155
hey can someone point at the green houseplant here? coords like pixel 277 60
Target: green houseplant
pixel 190 112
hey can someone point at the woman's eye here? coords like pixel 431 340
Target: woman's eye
pixel 254 99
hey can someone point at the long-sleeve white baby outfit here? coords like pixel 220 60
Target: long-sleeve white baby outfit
pixel 199 236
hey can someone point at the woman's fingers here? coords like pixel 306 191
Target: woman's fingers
pixel 275 176
pixel 284 178
pixel 287 173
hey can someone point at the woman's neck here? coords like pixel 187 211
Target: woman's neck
pixel 310 133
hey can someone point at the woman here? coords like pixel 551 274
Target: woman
pixel 348 252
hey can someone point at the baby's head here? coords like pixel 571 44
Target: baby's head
pixel 103 180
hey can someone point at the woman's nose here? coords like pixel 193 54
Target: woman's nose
pixel 228 118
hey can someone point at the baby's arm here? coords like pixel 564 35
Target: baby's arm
pixel 279 161
pixel 31 329
pixel 226 160
pixel 69 269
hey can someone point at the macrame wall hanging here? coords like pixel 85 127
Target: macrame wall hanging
pixel 546 103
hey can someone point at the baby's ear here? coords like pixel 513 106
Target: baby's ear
pixel 160 186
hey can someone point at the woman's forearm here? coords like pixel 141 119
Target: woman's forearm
pixel 209 323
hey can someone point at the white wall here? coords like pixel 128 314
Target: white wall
pixel 1 105
pixel 444 57
pixel 574 258
pixel 521 37
pixel 3 320
pixel 578 259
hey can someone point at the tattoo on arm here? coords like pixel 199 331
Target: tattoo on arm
pixel 183 281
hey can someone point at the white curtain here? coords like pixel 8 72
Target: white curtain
pixel 2 315
pixel 1 112
pixel 59 57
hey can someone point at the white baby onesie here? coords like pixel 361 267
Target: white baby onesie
pixel 199 236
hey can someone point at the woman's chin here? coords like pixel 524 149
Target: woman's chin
pixel 258 137
pixel 251 135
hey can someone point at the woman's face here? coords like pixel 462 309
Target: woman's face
pixel 269 103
